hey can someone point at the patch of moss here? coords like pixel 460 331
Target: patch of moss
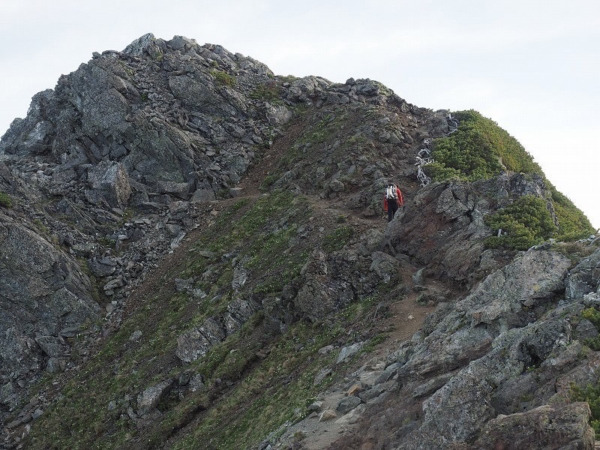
pixel 524 223
pixel 338 238
pixel 223 78
pixel 5 200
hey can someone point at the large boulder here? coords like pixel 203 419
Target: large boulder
pixel 546 427
pixel 108 182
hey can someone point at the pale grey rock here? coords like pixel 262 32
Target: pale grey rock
pixel 585 330
pixel 278 115
pixel 203 195
pixel 371 394
pixel 108 182
pixel 240 276
pixel 180 190
pixel 103 267
pixel 546 427
pixel 148 400
pixel 385 266
pixel 196 342
pixel 349 351
pixel 321 375
pixel 584 278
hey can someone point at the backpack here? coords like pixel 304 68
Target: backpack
pixel 390 193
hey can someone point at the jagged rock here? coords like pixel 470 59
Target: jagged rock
pixel 328 414
pixel 203 195
pixel 240 275
pixel 135 149
pixel 386 267
pixel 323 373
pixel 347 404
pixel 544 427
pixel 102 267
pixel 443 227
pixel 583 279
pixel 195 343
pixel 180 190
pixel 109 182
pixel 347 352
pixel 278 115
pixel 41 293
pixel 530 281
pixel 150 397
pixel 371 394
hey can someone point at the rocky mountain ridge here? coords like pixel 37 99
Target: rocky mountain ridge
pixel 184 221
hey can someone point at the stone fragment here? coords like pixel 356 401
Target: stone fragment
pixel 347 352
pixel 328 414
pixel 347 404
pixel 151 396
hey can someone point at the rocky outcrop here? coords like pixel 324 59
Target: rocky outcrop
pixel 45 302
pixel 496 367
pixel 443 228
pixel 543 427
pixel 139 150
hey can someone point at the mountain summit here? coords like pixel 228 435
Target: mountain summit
pixel 193 254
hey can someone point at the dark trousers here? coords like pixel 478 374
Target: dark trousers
pixel 392 208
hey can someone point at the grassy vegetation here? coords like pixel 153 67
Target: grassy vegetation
pixel 572 223
pixel 276 391
pixel 5 200
pixel 525 223
pixel 591 392
pixel 338 238
pixel 268 92
pixel 591 395
pixel 479 149
pixel 223 78
pixel 593 315
pixel 528 222
pixel 255 380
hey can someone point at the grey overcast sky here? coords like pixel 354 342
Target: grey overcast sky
pixel 533 66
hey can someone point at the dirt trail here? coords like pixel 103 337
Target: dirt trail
pixel 400 318
pixel 403 318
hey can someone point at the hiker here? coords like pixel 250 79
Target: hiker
pixel 392 200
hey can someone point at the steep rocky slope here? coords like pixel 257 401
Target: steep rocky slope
pixel 194 256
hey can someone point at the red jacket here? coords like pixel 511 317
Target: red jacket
pixel 398 196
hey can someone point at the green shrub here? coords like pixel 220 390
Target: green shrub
pixel 269 92
pixel 591 395
pixel 593 315
pixel 5 200
pixel 525 223
pixel 572 223
pixel 479 149
pixel 223 78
